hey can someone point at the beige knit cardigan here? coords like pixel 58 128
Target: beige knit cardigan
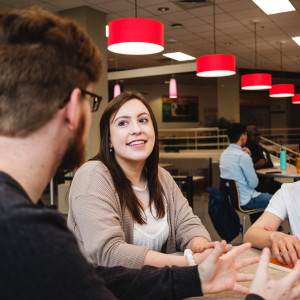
pixel 105 231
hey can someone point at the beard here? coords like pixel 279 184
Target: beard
pixel 75 153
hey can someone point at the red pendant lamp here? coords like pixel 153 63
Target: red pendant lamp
pixel 281 90
pixel 135 36
pixel 215 65
pixel 256 81
pixel 296 99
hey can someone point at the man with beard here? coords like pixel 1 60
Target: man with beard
pixel 261 159
pixel 47 67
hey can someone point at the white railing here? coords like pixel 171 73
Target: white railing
pixel 208 138
pixel 274 148
pixel 175 140
pixel 288 137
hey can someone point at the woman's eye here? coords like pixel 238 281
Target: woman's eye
pixel 122 123
pixel 144 120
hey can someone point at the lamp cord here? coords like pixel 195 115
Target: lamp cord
pixel 255 58
pixel 281 57
pixel 214 21
pixel 135 8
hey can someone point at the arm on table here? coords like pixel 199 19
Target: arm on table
pixel 281 289
pixel 260 163
pixel 175 282
pixel 151 282
pixel 263 233
pixel 158 259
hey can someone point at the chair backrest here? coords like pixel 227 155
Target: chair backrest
pixel 229 188
pixel 193 166
pixel 188 181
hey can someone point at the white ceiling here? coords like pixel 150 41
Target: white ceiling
pixel 234 30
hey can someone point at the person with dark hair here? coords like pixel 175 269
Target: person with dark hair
pixel 47 67
pixel 261 159
pixel 260 156
pixel 124 209
pixel 236 164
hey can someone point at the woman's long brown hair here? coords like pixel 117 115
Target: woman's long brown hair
pixel 122 184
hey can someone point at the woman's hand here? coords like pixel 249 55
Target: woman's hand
pixel 286 248
pixel 199 244
pixel 219 271
pixel 281 289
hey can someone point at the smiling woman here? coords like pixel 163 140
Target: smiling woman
pixel 124 209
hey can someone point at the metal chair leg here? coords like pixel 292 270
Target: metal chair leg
pixel 244 226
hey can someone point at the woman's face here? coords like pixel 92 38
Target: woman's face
pixel 132 133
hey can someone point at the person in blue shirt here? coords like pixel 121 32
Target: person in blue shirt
pixel 236 163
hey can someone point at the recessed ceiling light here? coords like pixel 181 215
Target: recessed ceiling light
pixel 163 8
pixel 296 39
pixel 179 56
pixel 274 6
pixel 177 25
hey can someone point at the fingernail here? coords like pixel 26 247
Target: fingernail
pixel 229 246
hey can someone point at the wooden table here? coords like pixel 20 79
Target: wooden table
pixel 290 172
pixel 273 273
pixel 165 165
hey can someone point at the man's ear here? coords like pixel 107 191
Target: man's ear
pixel 73 109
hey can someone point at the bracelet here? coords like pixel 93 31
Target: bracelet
pixel 189 257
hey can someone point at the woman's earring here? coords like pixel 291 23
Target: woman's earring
pixel 111 149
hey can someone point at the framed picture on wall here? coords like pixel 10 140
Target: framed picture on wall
pixel 181 109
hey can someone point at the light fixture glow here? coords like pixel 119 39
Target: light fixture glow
pixel 274 6
pixel 215 65
pixel 258 81
pixel 117 90
pixel 296 99
pixel 179 56
pixel 282 90
pixel 296 39
pixel 172 88
pixel 136 36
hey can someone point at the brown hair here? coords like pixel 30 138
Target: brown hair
pixel 121 183
pixel 42 59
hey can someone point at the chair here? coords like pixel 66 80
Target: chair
pixel 230 189
pixel 188 180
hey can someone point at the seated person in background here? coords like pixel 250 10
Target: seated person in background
pixel 261 159
pixel 236 164
pixel 260 156
pixel 263 233
pixel 124 209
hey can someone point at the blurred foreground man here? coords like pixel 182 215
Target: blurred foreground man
pixel 47 67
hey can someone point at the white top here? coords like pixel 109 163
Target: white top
pixel 286 204
pixel 156 232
